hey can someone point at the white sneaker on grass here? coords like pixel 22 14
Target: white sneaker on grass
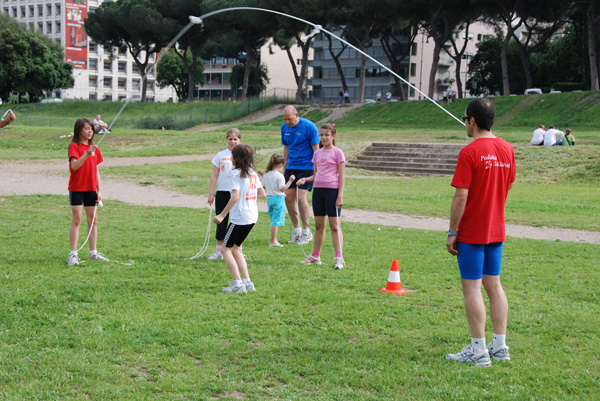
pixel 99 256
pixel 499 353
pixel 305 239
pixel 338 263
pixel 234 288
pixel 275 244
pixel 73 260
pixel 216 256
pixel 250 286
pixel 311 260
pixel 468 355
pixel 294 239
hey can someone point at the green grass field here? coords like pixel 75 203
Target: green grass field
pixel 161 329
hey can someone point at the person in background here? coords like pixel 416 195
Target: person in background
pixel 538 136
pixel 550 137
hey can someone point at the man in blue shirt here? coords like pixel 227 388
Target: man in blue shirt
pixel 300 139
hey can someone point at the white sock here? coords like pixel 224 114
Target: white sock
pixel 306 231
pixel 237 283
pixel 246 281
pixel 297 231
pixel 478 344
pixel 219 248
pixel 72 253
pixel 93 252
pixel 499 340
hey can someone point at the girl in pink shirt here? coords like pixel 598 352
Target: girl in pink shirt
pixel 328 195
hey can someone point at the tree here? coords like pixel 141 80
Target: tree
pixel 173 71
pixel 31 63
pixel 137 25
pixel 257 79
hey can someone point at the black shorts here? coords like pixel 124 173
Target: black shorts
pixel 85 198
pixel 299 174
pixel 236 235
pixel 221 200
pixel 323 202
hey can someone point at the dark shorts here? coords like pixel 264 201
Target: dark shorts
pixel 221 199
pixel 236 235
pixel 475 260
pixel 85 198
pixel 299 174
pixel 323 202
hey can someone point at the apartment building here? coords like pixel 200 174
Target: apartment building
pixel 415 68
pixel 99 73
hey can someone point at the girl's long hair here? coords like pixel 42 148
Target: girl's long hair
pixel 79 125
pixel 243 158
pixel 330 128
pixel 275 161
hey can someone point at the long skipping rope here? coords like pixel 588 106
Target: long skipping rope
pixel 206 239
pixel 90 232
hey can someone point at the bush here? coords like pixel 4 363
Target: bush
pixel 567 86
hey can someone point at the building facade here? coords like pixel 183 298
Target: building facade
pixel 99 73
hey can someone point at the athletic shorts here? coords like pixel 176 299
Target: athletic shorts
pixel 276 206
pixel 323 202
pixel 221 200
pixel 475 260
pixel 236 235
pixel 85 198
pixel 299 174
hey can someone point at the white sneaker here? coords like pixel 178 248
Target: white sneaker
pixel 216 256
pixel 338 263
pixel 233 288
pixel 294 239
pixel 73 260
pixel 275 244
pixel 467 355
pixel 311 260
pixel 500 353
pixel 99 256
pixel 305 239
pixel 250 286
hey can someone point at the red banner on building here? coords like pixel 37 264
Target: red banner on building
pixel 75 36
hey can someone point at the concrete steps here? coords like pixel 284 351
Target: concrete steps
pixel 408 158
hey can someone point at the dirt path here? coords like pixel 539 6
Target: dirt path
pixel 29 177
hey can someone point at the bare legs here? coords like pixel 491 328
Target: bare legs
pixel 77 212
pixel 292 207
pixel 475 307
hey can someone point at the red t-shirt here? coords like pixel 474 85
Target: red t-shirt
pixel 86 177
pixel 486 167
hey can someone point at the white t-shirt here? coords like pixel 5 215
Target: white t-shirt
pixel 550 136
pixel 222 161
pixel 538 136
pixel 273 181
pixel 245 211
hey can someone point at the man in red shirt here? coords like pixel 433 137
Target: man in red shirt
pixel 484 173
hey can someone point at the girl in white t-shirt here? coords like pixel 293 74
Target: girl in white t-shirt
pixel 275 184
pixel 245 188
pixel 222 167
pixel 328 195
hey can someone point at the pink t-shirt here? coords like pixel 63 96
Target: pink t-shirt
pixel 326 162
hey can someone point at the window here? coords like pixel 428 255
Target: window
pixel 57 7
pixel 299 61
pixel 92 96
pixel 40 10
pixel 48 28
pixel 107 98
pixel 413 69
pixel 122 51
pixel 41 26
pixel 122 66
pixel 31 26
pixel 122 83
pixel 92 47
pixel 107 82
pixel 135 84
pixel 93 64
pixel 413 49
pixel 135 69
pixel 93 82
pixel 150 85
pixel 14 12
pixel 108 66
pixel 31 11
pixel 48 9
pixel 57 25
pixel 411 91
pixel 23 12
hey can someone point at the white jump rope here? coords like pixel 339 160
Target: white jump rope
pixel 206 238
pixel 6 113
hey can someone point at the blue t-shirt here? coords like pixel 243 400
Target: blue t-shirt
pixel 299 141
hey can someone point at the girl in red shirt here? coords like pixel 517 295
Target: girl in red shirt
pixel 84 186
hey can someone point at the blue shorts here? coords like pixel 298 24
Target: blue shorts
pixel 323 202
pixel 299 174
pixel 475 260
pixel 276 206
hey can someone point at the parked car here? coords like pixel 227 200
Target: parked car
pixel 533 91
pixel 553 91
pixel 51 101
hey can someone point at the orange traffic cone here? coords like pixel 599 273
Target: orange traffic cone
pixel 393 284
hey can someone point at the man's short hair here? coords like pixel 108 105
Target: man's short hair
pixel 483 111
